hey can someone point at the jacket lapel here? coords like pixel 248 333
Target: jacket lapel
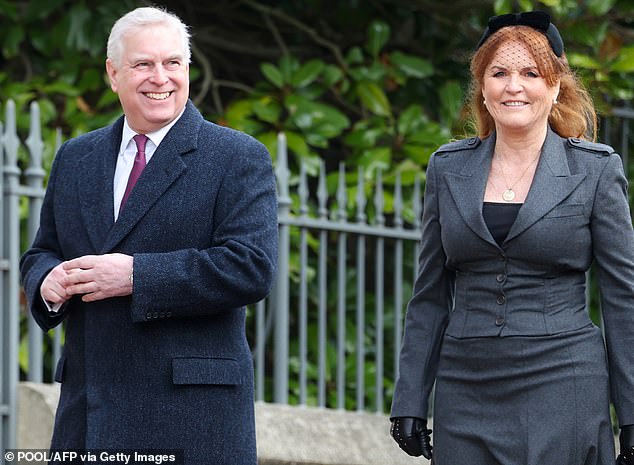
pixel 164 168
pixel 551 185
pixel 95 173
pixel 467 188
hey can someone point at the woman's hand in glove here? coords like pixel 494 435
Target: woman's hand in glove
pixel 412 435
pixel 626 440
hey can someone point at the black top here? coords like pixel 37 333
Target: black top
pixel 499 217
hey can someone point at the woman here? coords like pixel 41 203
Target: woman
pixel 512 221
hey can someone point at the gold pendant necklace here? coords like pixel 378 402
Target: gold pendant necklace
pixel 509 194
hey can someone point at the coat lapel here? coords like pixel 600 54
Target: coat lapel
pixel 467 188
pixel 164 168
pixel 95 173
pixel 551 185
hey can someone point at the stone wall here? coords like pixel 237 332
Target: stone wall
pixel 286 435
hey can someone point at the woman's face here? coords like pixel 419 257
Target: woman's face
pixel 515 94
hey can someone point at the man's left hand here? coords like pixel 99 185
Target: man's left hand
pixel 99 277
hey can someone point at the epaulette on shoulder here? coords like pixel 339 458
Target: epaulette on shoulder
pixel 458 145
pixel 594 147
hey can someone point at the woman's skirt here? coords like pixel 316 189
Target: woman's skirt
pixel 539 400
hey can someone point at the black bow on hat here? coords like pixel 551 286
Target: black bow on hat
pixel 539 20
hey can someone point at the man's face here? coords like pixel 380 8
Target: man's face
pixel 152 79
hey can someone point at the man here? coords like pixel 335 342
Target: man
pixel 152 279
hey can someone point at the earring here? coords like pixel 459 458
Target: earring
pixel 484 102
pixel 555 102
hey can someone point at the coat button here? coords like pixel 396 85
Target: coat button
pixel 148 316
pixel 499 321
pixel 500 300
pixel 168 314
pixel 155 315
pixel 500 278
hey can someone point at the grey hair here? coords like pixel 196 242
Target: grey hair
pixel 143 17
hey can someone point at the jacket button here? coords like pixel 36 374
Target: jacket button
pixel 499 321
pixel 500 278
pixel 155 315
pixel 148 316
pixel 168 314
pixel 500 300
pixel 472 140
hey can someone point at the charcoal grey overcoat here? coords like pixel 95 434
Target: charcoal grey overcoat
pixel 169 366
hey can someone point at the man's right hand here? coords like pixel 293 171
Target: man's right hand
pixel 53 289
pixel 412 435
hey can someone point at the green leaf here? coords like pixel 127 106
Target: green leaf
pixel 450 102
pixel 409 170
pixel 625 61
pixel 419 154
pixel 23 353
pixel 288 65
pixel 375 73
pixel 307 73
pixel 551 3
pixel 331 74
pixel 354 56
pixel 107 99
pixel 378 35
pixel 316 118
pixel 239 109
pixel 502 6
pixel 238 115
pixel 60 87
pixel 267 109
pixel 12 41
pixel 410 119
pixel 600 7
pixel 269 139
pixel 273 74
pixel 297 144
pixel 8 10
pixel 526 5
pixel 583 61
pixel 364 137
pixel 411 65
pixel 78 35
pixel 378 157
pixel 47 110
pixel 317 140
pixel 373 98
pixel 91 79
pixel 41 9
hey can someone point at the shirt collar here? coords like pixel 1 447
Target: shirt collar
pixel 155 137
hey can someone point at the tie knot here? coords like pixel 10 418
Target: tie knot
pixel 141 140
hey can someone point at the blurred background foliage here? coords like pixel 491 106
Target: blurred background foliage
pixel 377 84
pixel 374 83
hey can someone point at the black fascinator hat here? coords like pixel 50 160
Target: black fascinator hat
pixel 539 20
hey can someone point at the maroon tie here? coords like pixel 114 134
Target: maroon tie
pixel 137 168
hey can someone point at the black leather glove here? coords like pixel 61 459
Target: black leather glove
pixel 626 440
pixel 412 435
